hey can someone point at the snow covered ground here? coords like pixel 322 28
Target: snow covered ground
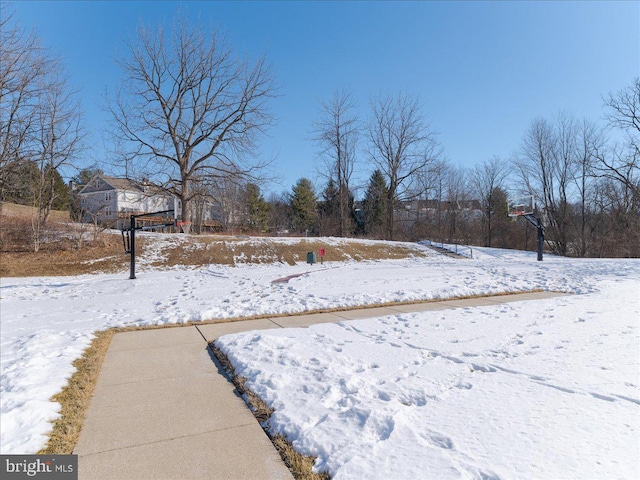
pixel 543 389
pixel 529 389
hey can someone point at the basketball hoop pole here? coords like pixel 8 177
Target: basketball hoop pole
pixel 540 238
pixel 132 250
pixel 537 222
pixel 132 244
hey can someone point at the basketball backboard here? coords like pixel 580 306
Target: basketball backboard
pixel 519 206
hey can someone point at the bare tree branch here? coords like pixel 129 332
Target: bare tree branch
pixel 337 132
pixel 485 180
pixel 624 107
pixel 401 145
pixel 622 164
pixel 40 121
pixel 189 110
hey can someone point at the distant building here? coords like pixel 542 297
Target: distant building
pixel 413 211
pixel 113 200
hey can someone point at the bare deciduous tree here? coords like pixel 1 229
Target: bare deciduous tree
pixel 337 133
pixel 457 195
pixel 590 141
pixel 57 141
pixel 226 195
pixel 547 169
pixel 279 213
pixel 622 163
pixel 624 107
pixel 189 110
pixel 401 144
pixel 42 123
pixel 23 68
pixel 485 180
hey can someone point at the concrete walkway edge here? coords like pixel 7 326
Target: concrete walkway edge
pixel 163 408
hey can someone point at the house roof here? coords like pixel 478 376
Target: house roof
pixel 123 183
pixel 101 183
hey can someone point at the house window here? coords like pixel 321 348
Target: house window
pixel 107 212
pixel 107 197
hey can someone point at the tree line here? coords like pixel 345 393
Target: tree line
pixel 189 113
pixel 40 124
pixel 585 178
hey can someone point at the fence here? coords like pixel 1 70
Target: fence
pixel 462 250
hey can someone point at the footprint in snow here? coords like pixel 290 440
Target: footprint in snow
pixel 464 386
pixel 437 440
pixel 482 368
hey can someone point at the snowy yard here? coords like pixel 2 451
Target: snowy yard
pixel 529 389
pixel 539 389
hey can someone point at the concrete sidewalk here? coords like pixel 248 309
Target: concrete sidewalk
pixel 162 407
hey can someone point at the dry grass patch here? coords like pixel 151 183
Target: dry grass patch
pixel 106 258
pixel 255 250
pixel 62 258
pixel 61 252
pixel 25 211
pixel 301 466
pixel 75 397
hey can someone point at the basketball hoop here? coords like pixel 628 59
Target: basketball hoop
pixel 184 226
pixel 524 207
pixel 521 206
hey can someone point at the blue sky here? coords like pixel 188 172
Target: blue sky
pixel 482 70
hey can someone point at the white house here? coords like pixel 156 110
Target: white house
pixel 113 200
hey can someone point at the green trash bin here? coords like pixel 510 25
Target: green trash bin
pixel 311 257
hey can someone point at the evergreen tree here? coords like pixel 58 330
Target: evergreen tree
pixel 331 197
pixel 86 175
pixel 329 210
pixel 24 186
pixel 304 206
pixel 59 190
pixel 257 208
pixel 374 204
pixel 19 183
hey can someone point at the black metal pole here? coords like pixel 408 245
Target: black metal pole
pixel 537 222
pixel 540 239
pixel 133 228
pixel 132 268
